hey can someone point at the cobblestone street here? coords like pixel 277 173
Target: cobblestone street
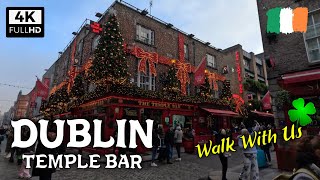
pixel 191 167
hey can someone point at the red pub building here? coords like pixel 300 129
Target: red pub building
pixel 151 46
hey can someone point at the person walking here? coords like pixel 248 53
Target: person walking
pixel 250 170
pixel 169 142
pixel 266 148
pixel 222 156
pixel 9 141
pixel 45 173
pixel 178 135
pixel 155 144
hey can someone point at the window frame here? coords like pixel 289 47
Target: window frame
pixel 246 64
pixel 151 85
pixel 80 47
pixel 93 42
pixel 186 51
pixel 150 40
pixel 214 61
pixel 317 37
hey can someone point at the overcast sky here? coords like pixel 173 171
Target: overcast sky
pixel 224 23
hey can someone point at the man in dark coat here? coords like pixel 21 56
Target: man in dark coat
pixel 45 173
pixel 169 142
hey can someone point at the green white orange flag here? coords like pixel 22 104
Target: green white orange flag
pixel 287 20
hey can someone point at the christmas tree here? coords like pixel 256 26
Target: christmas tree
pixel 205 89
pixel 78 88
pixel 109 63
pixel 226 91
pixel 170 82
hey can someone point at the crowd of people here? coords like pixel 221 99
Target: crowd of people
pixel 250 168
pixel 15 154
pixel 307 160
pixel 164 143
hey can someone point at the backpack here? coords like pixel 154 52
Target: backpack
pixel 291 176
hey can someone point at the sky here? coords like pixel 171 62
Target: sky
pixel 223 23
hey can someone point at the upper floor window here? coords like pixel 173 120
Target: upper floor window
pixel 211 61
pixel 79 47
pixel 246 64
pixel 259 70
pixel 312 37
pixel 145 35
pixel 186 51
pixel 95 42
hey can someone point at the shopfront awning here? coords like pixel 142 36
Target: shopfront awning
pixel 263 114
pixel 221 112
pixel 302 76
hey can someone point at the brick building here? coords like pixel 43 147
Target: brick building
pixel 154 35
pixel 21 106
pixel 293 59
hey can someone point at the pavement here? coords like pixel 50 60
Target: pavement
pixel 191 167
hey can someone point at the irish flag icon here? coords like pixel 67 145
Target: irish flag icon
pixel 287 20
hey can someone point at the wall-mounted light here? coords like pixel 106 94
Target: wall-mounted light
pixel 116 110
pixel 74 33
pixel 169 25
pixel 207 43
pixel 99 15
pixel 60 52
pixel 144 12
pixel 191 35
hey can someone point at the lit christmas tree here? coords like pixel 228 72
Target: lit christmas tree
pixel 205 89
pixel 170 82
pixel 226 90
pixel 109 63
pixel 78 88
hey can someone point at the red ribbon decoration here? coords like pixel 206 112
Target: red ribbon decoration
pixel 152 59
pixel 183 75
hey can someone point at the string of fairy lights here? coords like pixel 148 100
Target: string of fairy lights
pixel 14 86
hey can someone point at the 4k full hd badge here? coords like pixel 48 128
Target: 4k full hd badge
pixel 25 22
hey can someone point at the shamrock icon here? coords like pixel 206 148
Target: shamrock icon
pixel 301 113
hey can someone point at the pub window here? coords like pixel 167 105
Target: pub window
pixel 186 51
pixel 178 120
pixel 211 61
pixel 146 80
pixel 188 89
pixel 145 35
pixel 312 37
pixel 95 42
